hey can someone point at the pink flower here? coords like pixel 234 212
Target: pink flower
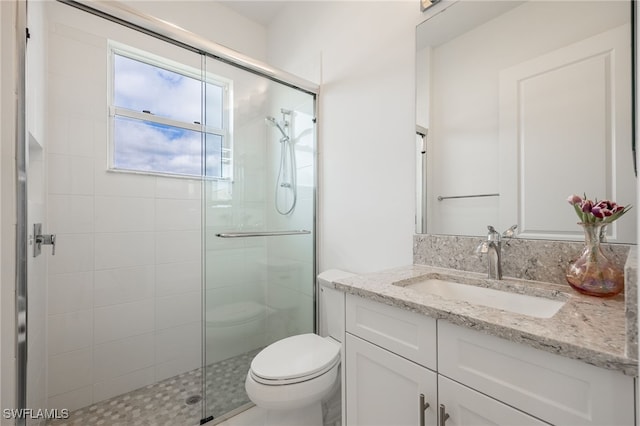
pixel 617 208
pixel 599 211
pixel 586 206
pixel 574 199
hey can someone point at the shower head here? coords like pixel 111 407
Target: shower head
pixel 272 121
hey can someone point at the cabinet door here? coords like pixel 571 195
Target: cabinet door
pixel 467 407
pixel 383 389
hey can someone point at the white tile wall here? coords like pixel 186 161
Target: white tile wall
pixel 178 309
pixel 124 214
pixel 81 136
pixel 116 286
pixel 117 184
pixel 190 361
pixel 124 249
pixel 178 188
pixel 176 278
pixel 178 349
pixel 177 246
pixel 69 332
pixel 70 292
pixel 69 371
pixel 122 356
pixel 70 175
pixel 123 320
pixel 72 400
pixel 177 215
pixel 74 253
pixel 123 384
pixel 70 213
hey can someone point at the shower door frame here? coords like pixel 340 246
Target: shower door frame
pixel 159 29
pixel 21 299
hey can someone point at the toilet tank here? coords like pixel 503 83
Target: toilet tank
pixel 331 304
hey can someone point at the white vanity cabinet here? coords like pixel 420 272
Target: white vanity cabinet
pixel 387 352
pixel 463 406
pixel 468 378
pixel 556 389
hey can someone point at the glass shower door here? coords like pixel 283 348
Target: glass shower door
pixel 259 204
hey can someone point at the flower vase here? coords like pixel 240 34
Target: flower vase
pixel 593 273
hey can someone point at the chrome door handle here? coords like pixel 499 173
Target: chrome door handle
pixel 39 239
pixel 442 415
pixel 261 233
pixel 423 407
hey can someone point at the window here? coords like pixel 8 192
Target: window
pixel 160 123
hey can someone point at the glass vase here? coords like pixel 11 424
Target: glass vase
pixel 593 273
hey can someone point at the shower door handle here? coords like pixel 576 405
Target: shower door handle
pixel 39 239
pixel 261 233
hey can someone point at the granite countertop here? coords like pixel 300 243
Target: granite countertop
pixel 586 328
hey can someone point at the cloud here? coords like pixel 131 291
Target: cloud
pixel 139 87
pixel 146 146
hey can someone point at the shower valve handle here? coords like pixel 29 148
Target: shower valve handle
pixel 39 239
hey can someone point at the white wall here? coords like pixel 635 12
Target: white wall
pixel 210 20
pixel 363 53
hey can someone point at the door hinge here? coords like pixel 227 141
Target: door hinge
pixel 27 33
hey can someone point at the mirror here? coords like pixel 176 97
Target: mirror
pixel 524 103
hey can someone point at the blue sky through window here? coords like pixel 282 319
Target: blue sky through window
pixel 152 146
pixel 142 87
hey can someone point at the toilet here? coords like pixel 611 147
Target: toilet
pixel 292 378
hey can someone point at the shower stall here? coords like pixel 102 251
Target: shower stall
pixel 177 180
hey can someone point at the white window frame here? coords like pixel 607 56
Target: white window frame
pixel 225 132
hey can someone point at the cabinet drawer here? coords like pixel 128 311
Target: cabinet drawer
pixel 405 333
pixel 467 407
pixel 553 388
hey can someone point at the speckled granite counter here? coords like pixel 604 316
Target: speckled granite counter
pixel 586 328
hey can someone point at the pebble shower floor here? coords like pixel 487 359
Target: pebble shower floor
pixel 164 403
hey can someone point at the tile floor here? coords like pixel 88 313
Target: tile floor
pixel 164 403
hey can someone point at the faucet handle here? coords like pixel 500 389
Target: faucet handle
pixel 483 248
pixel 511 232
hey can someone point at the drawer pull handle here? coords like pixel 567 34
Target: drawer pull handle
pixel 423 406
pixel 443 415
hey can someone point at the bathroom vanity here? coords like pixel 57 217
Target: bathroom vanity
pixel 414 357
pixel 500 133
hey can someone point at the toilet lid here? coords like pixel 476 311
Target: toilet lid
pixel 295 357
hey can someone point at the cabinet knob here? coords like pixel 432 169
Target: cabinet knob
pixel 423 406
pixel 442 415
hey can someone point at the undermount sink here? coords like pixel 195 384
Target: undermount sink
pixel 534 306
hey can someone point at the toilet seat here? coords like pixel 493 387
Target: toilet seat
pixel 295 359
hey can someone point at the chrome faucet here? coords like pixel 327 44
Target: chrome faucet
pixel 492 247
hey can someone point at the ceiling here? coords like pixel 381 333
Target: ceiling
pixel 262 12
